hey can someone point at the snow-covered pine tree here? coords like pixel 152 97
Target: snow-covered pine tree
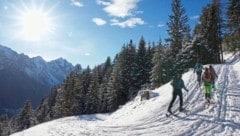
pixel 157 61
pixel 130 63
pixel 69 93
pixel 149 64
pixel 168 70
pixel 102 98
pixel 42 111
pixel 81 87
pixel 78 69
pixel 107 70
pixel 123 73
pixel 111 94
pixel 79 98
pixel 4 125
pixel 92 94
pixel 58 109
pixel 64 98
pixel 141 65
pixel 26 118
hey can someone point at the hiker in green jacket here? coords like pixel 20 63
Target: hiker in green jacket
pixel 177 84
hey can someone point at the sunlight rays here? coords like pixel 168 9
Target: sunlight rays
pixel 34 21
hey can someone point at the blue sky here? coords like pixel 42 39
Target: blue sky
pixel 85 32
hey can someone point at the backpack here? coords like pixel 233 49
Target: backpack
pixel 207 78
pixel 199 69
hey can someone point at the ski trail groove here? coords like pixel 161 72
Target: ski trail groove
pixel 223 98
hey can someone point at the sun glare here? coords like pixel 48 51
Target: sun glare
pixel 35 24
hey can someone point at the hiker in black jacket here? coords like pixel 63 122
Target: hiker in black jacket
pixel 177 84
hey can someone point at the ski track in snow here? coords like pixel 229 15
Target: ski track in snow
pixel 142 118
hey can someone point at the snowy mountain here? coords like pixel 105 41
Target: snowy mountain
pixel 148 117
pixel 24 78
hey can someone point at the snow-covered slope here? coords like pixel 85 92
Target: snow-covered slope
pixel 148 118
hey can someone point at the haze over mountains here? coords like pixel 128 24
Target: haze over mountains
pixel 22 78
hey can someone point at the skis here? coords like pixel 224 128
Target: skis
pixel 208 104
pixel 186 112
pixel 168 114
pixel 176 111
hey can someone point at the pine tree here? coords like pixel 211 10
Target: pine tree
pixel 65 97
pixel 58 109
pixel 78 69
pixel 111 94
pixel 123 72
pixel 80 89
pixel 141 63
pixel 211 23
pixel 69 93
pixel 92 100
pixel 168 66
pixel 233 25
pixel 157 61
pixel 102 95
pixel 149 64
pixel 85 81
pixel 78 105
pixel 42 111
pixel 4 125
pixel 102 107
pixel 129 66
pixel 27 117
pixel 179 32
pixel 178 29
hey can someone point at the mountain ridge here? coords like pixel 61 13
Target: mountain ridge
pixel 24 78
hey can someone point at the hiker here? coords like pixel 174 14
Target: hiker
pixel 213 75
pixel 198 69
pixel 177 84
pixel 207 80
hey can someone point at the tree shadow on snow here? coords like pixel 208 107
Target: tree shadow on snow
pixel 92 117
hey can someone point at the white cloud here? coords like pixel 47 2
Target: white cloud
pixel 5 7
pixel 87 54
pixel 194 17
pixel 104 3
pixel 120 8
pixel 132 22
pixel 161 25
pixel 76 3
pixel 99 21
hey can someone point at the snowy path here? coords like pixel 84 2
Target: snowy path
pixel 147 118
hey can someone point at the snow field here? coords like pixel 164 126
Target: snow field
pixel 147 118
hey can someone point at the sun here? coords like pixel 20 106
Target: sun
pixel 34 21
pixel 35 24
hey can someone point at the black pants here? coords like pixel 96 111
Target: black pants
pixel 176 92
pixel 208 95
pixel 199 77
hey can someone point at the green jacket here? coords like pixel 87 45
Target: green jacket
pixel 178 84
